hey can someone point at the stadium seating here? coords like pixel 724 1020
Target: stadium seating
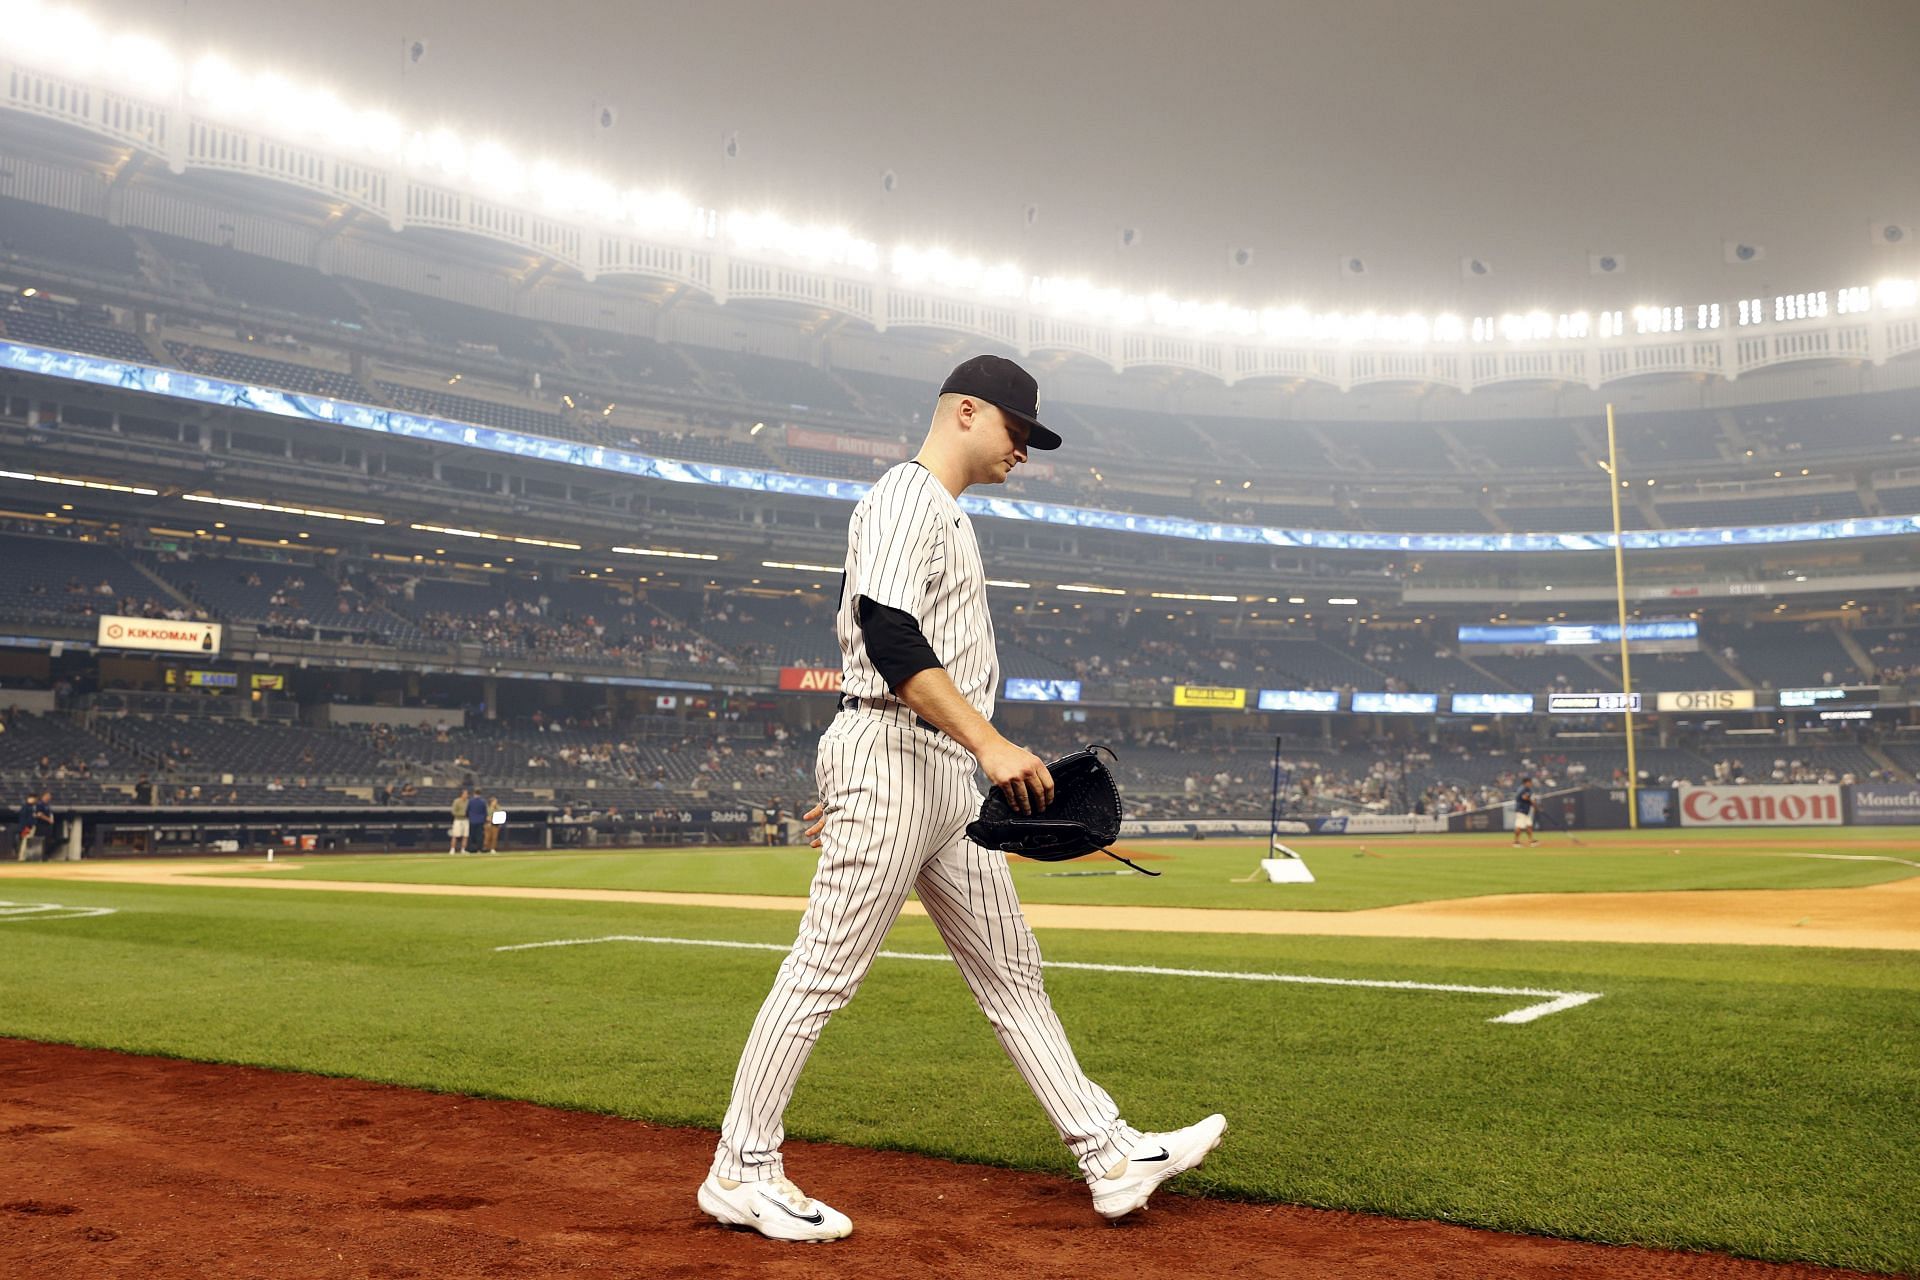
pixel 1791 657
pixel 283 598
pixel 35 233
pixel 1899 500
pixel 52 579
pixel 263 284
pixel 1658 672
pixel 462 330
pixel 1551 444
pixel 37 747
pixel 1836 424
pixel 203 750
pixel 1543 673
pixel 1894 651
pixel 44 323
pixel 778 383
pixel 265 371
pixel 1685 513
pixel 459 408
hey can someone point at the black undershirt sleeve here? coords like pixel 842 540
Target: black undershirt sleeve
pixel 895 643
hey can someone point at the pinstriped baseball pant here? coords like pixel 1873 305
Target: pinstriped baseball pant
pixel 898 800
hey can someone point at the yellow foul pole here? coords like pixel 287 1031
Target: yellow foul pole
pixel 1620 589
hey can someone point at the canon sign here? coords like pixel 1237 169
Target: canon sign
pixel 1801 806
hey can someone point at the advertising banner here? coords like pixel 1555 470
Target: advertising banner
pixel 1396 704
pixel 834 442
pixel 1805 805
pixel 1378 824
pixel 1586 704
pixel 1299 700
pixel 118 632
pixel 1705 700
pixel 1492 704
pixel 812 679
pixel 1852 695
pixel 1030 689
pixel 1200 695
pixel 1581 634
pixel 1878 804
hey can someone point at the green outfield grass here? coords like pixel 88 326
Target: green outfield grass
pixel 1351 872
pixel 1755 1100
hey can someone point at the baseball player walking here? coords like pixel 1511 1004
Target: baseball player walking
pixel 895 772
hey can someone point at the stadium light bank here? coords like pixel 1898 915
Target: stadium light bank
pixel 66 42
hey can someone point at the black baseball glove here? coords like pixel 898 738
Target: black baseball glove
pixel 1084 817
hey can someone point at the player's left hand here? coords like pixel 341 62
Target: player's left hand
pixel 818 817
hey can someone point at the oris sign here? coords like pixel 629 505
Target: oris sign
pixel 1797 806
pixel 1706 700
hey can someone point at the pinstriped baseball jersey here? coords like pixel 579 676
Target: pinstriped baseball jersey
pixel 898 797
pixel 910 547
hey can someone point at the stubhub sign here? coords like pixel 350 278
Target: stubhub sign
pixel 1768 806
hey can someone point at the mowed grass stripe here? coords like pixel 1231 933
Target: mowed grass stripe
pixel 1754 1100
pixel 1352 873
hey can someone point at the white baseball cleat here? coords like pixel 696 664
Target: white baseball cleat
pixel 775 1208
pixel 1157 1157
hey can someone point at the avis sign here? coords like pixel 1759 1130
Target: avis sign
pixel 815 679
pixel 1787 806
pixel 117 632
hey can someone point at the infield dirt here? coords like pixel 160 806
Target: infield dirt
pixel 173 1170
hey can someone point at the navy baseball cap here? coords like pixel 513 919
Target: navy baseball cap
pixel 1007 387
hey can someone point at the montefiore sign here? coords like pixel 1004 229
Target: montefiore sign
pixel 117 632
pixel 1769 806
pixel 1881 805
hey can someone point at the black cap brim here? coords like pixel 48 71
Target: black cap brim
pixel 1038 437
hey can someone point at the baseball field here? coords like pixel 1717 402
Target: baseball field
pixel 1678 1040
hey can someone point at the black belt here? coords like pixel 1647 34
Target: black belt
pixel 850 703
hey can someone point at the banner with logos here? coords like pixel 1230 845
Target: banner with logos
pixel 1705 700
pixel 1031 689
pixel 1396 704
pixel 1851 695
pixel 1805 805
pixel 1492 704
pixel 811 679
pixel 1587 704
pixel 1878 804
pixel 1200 695
pixel 117 632
pixel 1299 700
pixel 834 442
pixel 1378 824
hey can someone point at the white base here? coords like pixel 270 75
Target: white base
pixel 1286 871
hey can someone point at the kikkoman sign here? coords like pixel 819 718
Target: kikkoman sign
pixel 164 634
pixel 1763 806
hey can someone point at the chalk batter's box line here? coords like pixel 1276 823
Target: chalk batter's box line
pixel 1546 1001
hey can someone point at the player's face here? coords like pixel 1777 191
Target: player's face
pixel 1003 444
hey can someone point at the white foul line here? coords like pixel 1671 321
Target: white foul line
pixel 1550 1001
pixel 12 911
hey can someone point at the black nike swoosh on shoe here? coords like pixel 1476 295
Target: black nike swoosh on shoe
pixel 1164 1155
pixel 813 1219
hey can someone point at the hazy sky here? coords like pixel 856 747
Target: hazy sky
pixel 1412 134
